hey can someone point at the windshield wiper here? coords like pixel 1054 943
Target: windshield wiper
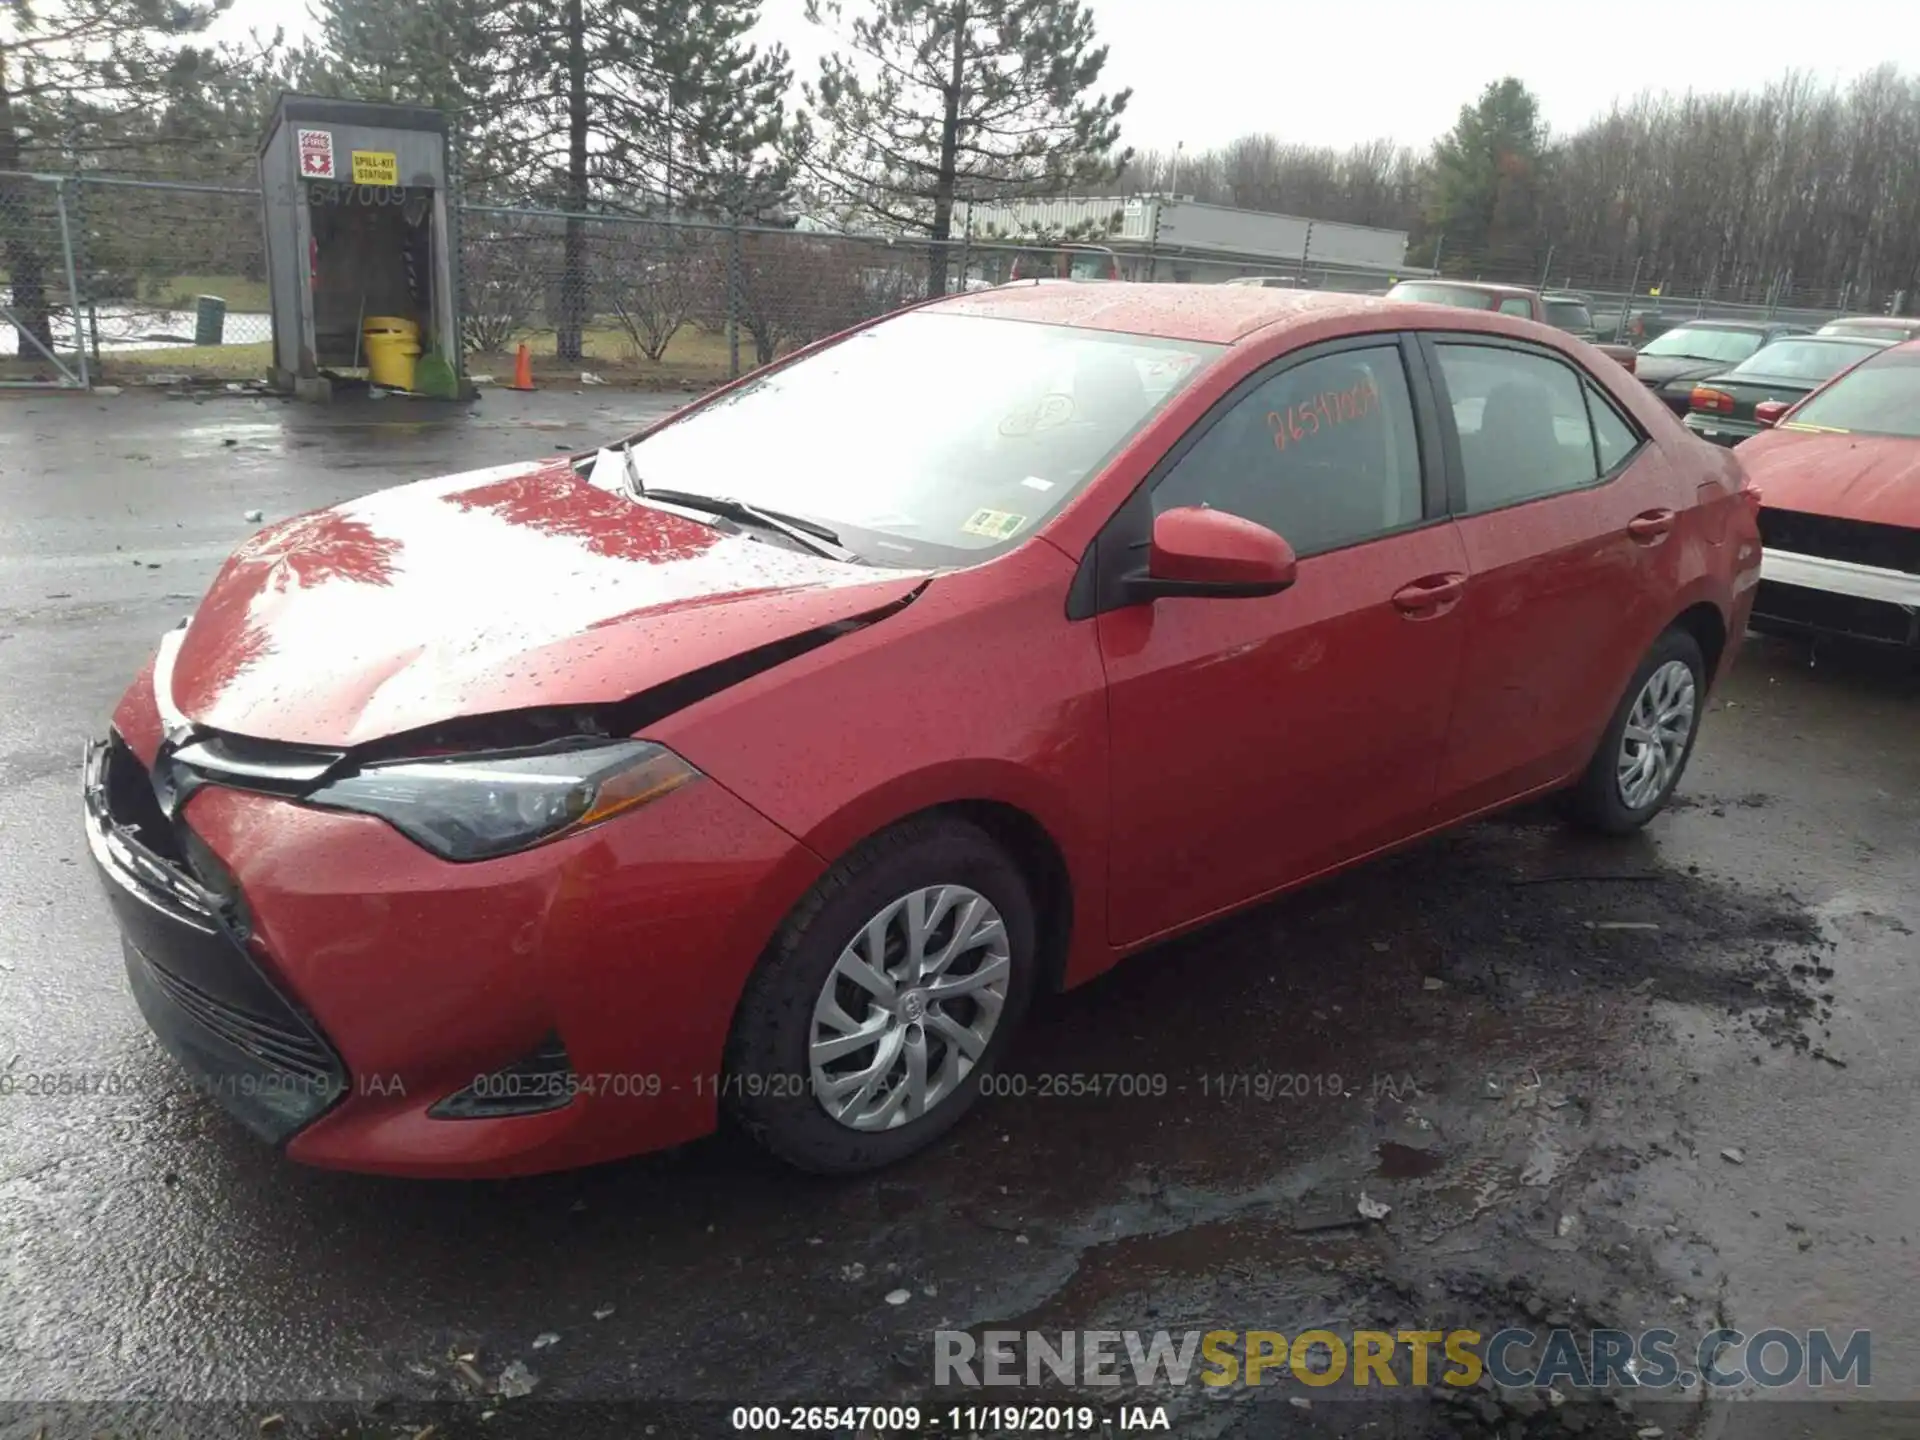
pixel 807 534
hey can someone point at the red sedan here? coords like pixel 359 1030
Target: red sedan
pixel 1841 473
pixel 769 764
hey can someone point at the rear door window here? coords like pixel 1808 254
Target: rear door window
pixel 1522 421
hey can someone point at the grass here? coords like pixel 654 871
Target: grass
pixel 695 359
pixel 213 362
pixel 180 292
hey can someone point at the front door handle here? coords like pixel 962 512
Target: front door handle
pixel 1651 526
pixel 1429 595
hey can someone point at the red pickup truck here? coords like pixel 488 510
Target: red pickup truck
pixel 1562 312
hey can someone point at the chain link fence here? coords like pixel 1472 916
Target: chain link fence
pixel 40 322
pixel 126 280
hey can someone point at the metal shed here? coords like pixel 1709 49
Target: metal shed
pixel 358 224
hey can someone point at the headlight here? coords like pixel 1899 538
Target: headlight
pixel 473 807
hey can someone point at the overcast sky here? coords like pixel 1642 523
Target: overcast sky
pixel 1206 71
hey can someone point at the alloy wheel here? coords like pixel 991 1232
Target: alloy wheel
pixel 1655 739
pixel 909 1007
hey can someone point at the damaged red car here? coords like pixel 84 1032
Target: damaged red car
pixel 1841 525
pixel 768 764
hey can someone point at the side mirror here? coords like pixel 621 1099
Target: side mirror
pixel 1768 412
pixel 1202 552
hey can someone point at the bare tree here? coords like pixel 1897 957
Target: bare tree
pixel 650 279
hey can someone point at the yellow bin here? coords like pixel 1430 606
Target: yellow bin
pixel 393 345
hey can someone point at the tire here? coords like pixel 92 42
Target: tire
pixel 772 1087
pixel 1601 799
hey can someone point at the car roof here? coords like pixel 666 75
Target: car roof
pixel 1902 348
pixel 1729 325
pixel 1888 321
pixel 1209 314
pixel 1485 287
pixel 1831 340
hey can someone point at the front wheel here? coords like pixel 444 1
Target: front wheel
pixel 1647 742
pixel 892 990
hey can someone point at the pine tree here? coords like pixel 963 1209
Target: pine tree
pixel 81 82
pixel 949 100
pixel 1488 175
pixel 642 106
pixel 449 55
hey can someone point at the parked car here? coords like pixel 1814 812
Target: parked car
pixel 1066 262
pixel 1670 365
pixel 1874 327
pixel 1721 407
pixel 1270 282
pixel 772 761
pixel 1840 472
pixel 1644 326
pixel 1562 312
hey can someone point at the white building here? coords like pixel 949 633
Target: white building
pixel 1164 238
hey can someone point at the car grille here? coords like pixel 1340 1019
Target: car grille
pixel 275 1046
pixel 1832 614
pixel 132 805
pixel 194 967
pixel 1885 547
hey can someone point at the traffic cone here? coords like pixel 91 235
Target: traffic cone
pixel 523 368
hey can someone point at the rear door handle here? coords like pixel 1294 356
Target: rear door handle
pixel 1651 526
pixel 1429 595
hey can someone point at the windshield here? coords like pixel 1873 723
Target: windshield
pixel 1696 342
pixel 1882 397
pixel 1454 295
pixel 927 439
pixel 1569 315
pixel 1804 359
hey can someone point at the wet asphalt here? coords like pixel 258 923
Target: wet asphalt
pixel 1665 1081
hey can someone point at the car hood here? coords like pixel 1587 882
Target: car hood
pixel 1665 369
pixel 1872 478
pixel 506 589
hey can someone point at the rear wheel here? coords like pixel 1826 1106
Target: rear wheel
pixel 1647 742
pixel 890 993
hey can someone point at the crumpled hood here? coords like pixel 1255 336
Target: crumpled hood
pixel 506 589
pixel 1874 478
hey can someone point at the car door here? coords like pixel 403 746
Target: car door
pixel 1558 517
pixel 1255 742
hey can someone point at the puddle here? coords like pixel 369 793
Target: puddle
pixel 1406 1162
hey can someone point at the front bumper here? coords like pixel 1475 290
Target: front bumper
pixel 208 1001
pixel 1818 595
pixel 333 984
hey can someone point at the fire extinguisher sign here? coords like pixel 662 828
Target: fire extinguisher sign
pixel 316 154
